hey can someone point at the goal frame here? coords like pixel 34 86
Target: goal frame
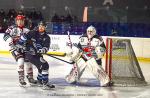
pixel 108 61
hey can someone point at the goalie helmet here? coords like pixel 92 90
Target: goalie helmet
pixel 91 31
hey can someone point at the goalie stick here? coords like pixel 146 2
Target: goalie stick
pixel 70 42
pixel 63 54
pixel 60 59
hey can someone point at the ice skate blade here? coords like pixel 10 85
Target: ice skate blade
pixel 23 86
pixel 49 88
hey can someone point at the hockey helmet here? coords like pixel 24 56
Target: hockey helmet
pixel 91 31
pixel 20 21
pixel 42 26
pixel 42 23
pixel 20 17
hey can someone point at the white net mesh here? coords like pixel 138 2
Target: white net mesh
pixel 125 69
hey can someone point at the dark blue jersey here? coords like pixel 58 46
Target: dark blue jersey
pixel 38 40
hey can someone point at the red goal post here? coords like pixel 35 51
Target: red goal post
pixel 121 63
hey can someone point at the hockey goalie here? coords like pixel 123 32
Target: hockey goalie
pixel 88 54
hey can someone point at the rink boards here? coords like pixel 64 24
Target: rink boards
pixel 141 46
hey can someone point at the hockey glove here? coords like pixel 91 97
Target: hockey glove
pixel 13 47
pixel 16 47
pixel 43 50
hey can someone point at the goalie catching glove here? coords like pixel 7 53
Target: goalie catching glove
pixel 100 51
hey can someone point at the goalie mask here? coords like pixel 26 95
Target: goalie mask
pixel 91 31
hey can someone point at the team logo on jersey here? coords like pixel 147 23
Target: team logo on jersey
pixel 44 39
pixel 82 39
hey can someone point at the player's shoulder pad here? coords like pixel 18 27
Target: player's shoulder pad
pixel 12 26
pixel 98 37
pixel 47 35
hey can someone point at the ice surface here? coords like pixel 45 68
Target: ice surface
pixel 89 86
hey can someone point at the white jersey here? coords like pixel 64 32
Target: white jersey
pixel 89 56
pixel 92 47
pixel 94 42
pixel 13 34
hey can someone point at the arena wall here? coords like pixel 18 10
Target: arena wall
pixel 141 46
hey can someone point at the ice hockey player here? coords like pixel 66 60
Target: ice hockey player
pixel 12 35
pixel 88 54
pixel 38 44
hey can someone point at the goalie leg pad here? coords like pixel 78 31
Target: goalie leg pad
pixel 73 75
pixel 98 72
pixel 81 67
pixel 76 71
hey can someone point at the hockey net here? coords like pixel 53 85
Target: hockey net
pixel 121 63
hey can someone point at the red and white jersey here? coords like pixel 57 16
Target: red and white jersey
pixel 90 47
pixel 13 34
pixel 94 42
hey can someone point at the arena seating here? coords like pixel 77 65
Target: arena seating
pixel 103 29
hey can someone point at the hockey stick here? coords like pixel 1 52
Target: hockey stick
pixel 60 59
pixel 63 54
pixel 53 55
pixel 70 42
pixel 56 53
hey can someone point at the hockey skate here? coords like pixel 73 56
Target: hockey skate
pixel 39 83
pixel 71 79
pixel 22 83
pixel 109 84
pixel 48 86
pixel 31 81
